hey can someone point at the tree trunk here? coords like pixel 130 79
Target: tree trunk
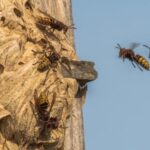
pixel 22 46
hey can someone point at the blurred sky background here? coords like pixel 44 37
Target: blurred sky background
pixel 117 108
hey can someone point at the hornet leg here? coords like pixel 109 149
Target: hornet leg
pixel 133 64
pixel 138 66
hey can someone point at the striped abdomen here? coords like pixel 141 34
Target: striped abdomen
pixel 142 61
pixel 43 101
pixel 43 65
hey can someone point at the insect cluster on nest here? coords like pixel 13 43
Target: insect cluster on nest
pixel 50 59
pixel 135 59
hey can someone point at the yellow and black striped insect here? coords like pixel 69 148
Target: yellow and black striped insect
pixel 53 23
pixel 41 101
pixel 128 53
pixel 43 110
pixel 43 64
pixel 48 60
pixel 60 26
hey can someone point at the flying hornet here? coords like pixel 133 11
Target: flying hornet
pixel 128 53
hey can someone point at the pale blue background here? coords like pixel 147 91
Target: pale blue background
pixel 117 109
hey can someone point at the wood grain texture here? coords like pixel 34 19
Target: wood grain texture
pixel 18 125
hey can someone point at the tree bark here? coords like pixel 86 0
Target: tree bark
pixel 19 40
